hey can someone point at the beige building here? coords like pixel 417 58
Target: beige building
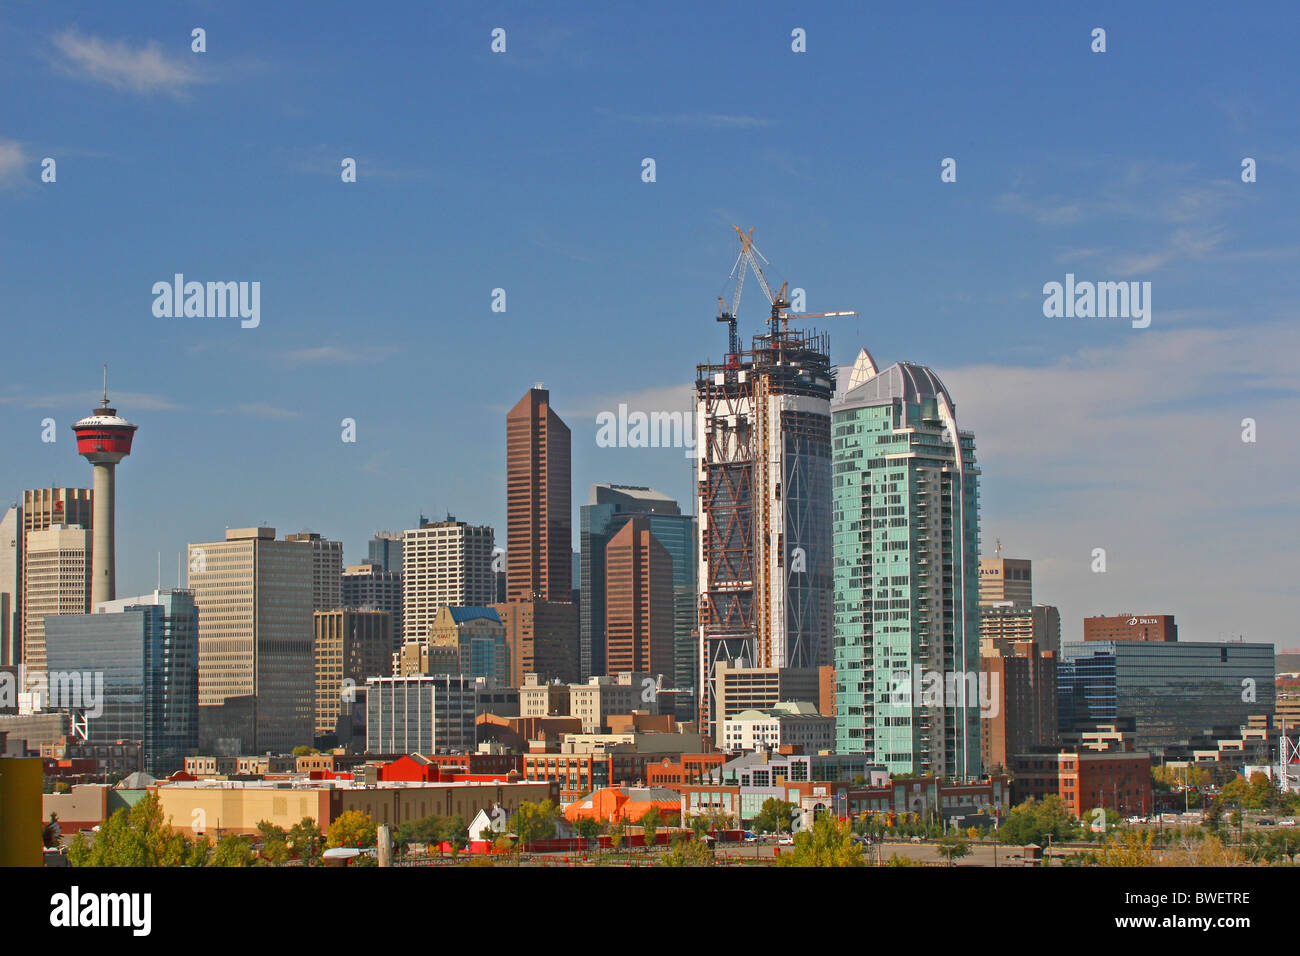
pixel 350 647
pixel 216 808
pixel 737 689
pixel 1004 626
pixel 56 567
pixel 593 702
pixel 39 509
pixel 1006 579
pixel 256 673
pixel 326 570
pixel 444 564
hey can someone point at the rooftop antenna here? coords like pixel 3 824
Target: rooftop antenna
pixel 998 550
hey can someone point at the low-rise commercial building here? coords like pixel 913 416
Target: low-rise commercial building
pixel 1112 780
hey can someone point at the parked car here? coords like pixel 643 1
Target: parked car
pixel 787 839
pixel 916 839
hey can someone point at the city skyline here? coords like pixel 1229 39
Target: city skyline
pixel 1092 433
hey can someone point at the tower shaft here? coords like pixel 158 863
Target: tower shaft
pixel 103 582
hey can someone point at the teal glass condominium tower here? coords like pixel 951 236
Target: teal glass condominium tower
pixel 906 545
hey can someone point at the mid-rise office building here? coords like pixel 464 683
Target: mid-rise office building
pixel 370 587
pixel 1004 626
pixel 638 602
pixel 1020 684
pixel 351 646
pixel 256 663
pixel 608 509
pixel 40 509
pixel 326 569
pixel 57 572
pixel 1171 692
pixel 737 689
pixel 1006 581
pixel 906 572
pixel 444 564
pixel 11 585
pixel 476 641
pixel 385 550
pixel 421 714
pixel 1131 627
pixel 788 724
pixel 141 653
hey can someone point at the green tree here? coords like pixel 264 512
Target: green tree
pixel 138 836
pixel 588 828
pixel 302 750
pixel 535 821
pixel 1034 821
pixel 233 850
pixel 352 828
pixel 774 816
pixel 275 845
pixel 954 847
pixel 829 843
pixel 305 841
pixel 687 852
pixel 650 823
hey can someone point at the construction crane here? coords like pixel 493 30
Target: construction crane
pixel 785 317
pixel 749 256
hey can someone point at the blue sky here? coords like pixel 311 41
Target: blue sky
pixel 522 171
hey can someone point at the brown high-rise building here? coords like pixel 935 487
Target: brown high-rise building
pixel 1021 687
pixel 539 615
pixel 351 646
pixel 638 602
pixel 539 507
pixel 1131 627
pixel 41 509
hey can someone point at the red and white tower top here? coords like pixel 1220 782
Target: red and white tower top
pixel 102 437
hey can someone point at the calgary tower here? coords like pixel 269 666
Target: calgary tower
pixel 103 439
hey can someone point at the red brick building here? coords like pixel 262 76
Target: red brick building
pixel 1131 627
pixel 1113 780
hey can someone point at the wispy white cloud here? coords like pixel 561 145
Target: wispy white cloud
pixel 138 69
pixel 340 354
pixel 701 120
pixel 13 158
pixel 264 410
pixel 134 401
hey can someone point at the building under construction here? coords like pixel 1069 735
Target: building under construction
pixel 763 471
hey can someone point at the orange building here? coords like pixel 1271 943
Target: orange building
pixel 626 804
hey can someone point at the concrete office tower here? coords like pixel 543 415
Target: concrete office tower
pixel 608 508
pixel 256 673
pixel 57 564
pixel 421 715
pixel 42 508
pixel 539 507
pixel 639 602
pixel 371 587
pixel 1005 626
pixel 1006 580
pixel 351 647
pixel 147 650
pixel 326 570
pixel 11 584
pixel 385 550
pixel 444 564
pixel 906 574
pixel 763 435
pixel 104 439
